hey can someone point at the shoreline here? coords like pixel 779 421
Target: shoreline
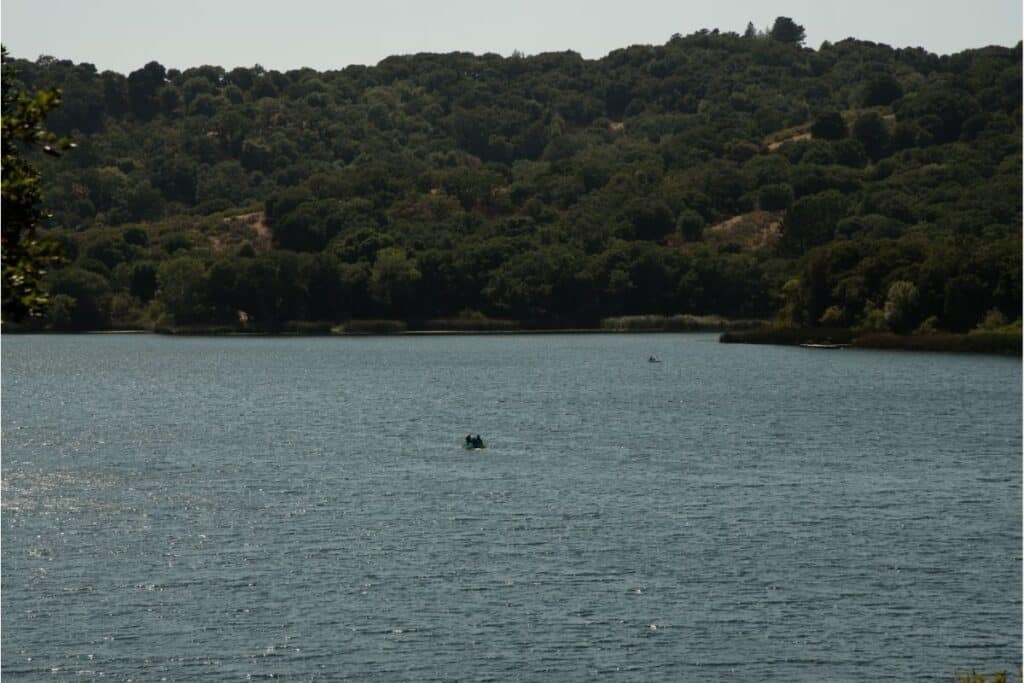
pixel 822 339
pixel 992 343
pixel 402 333
pixel 433 327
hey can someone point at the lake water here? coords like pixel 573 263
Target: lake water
pixel 224 508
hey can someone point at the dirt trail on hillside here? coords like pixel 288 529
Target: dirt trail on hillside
pixel 772 146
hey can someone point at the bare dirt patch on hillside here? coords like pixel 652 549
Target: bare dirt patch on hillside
pixel 748 231
pixel 796 137
pixel 246 227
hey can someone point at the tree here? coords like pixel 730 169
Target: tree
pixel 547 282
pixel 939 110
pixel 182 285
pixel 84 295
pixel 812 220
pixel 965 302
pixel 142 282
pixel 775 197
pixel 393 279
pixel 24 258
pixel 175 177
pixel 850 153
pixel 901 306
pixel 651 220
pixel 690 225
pixel 872 319
pixel 829 126
pixel 143 86
pixel 869 129
pixel 785 30
pixel 170 100
pixel 882 89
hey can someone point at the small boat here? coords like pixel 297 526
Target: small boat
pixel 652 359
pixel 473 442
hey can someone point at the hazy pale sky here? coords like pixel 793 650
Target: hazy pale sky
pixel 122 35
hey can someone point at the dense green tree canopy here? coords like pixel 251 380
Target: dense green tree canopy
pixel 717 173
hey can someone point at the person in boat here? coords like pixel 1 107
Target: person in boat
pixel 469 439
pixel 478 442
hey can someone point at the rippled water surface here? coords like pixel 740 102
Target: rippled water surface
pixel 214 508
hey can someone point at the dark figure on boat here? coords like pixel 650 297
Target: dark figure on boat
pixel 474 441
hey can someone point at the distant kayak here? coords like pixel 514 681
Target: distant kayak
pixel 472 442
pixel 652 359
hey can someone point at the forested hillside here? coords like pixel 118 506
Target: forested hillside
pixel 854 185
